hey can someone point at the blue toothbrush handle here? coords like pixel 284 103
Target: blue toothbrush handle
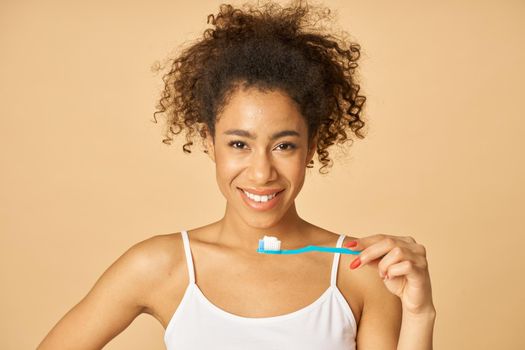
pixel 311 248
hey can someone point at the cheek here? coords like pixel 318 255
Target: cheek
pixel 295 169
pixel 227 168
pixel 297 173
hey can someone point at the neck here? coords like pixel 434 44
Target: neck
pixel 235 232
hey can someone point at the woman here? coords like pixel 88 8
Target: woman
pixel 265 90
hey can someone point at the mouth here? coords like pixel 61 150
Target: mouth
pixel 270 203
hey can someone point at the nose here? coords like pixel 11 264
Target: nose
pixel 261 168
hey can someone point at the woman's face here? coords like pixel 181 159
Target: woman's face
pixel 261 145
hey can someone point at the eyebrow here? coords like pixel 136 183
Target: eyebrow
pixel 245 133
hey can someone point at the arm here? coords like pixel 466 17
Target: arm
pixel 384 325
pixel 401 269
pixel 115 300
pixel 380 321
pixel 416 331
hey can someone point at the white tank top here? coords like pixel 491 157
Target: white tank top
pixel 328 323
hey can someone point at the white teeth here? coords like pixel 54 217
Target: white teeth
pixel 258 198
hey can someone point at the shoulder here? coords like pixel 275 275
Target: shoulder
pixel 146 265
pixel 120 294
pixel 377 310
pixel 156 254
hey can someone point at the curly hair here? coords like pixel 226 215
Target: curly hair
pixel 268 47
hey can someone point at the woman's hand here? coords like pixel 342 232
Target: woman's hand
pixel 402 265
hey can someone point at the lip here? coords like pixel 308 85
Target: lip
pixel 262 192
pixel 261 206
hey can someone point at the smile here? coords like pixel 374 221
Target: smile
pixel 260 198
pixel 260 202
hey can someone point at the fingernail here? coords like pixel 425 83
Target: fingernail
pixel 355 263
pixel 350 244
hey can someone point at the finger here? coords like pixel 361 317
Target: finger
pixel 380 249
pixel 408 239
pixel 396 255
pixel 365 242
pixel 405 268
pixel 420 249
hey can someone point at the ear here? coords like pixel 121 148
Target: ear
pixel 210 147
pixel 311 150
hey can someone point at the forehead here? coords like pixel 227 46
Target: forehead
pixel 261 112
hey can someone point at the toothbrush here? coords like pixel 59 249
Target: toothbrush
pixel 271 245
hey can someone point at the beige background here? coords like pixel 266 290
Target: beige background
pixel 84 174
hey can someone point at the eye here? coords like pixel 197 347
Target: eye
pixel 233 143
pixel 289 146
pixel 286 146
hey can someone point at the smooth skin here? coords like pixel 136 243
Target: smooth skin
pixel 151 276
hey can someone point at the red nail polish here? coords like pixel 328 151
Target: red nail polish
pixel 355 263
pixel 350 244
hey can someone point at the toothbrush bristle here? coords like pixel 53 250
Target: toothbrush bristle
pixel 271 243
pixel 272 246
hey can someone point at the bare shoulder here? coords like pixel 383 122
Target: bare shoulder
pixel 155 261
pixel 156 256
pixel 123 291
pixel 376 309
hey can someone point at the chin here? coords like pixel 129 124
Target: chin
pixel 262 223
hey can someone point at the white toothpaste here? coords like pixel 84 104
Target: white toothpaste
pixel 271 243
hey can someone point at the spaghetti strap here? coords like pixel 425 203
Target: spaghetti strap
pixel 335 263
pixel 328 320
pixel 189 260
